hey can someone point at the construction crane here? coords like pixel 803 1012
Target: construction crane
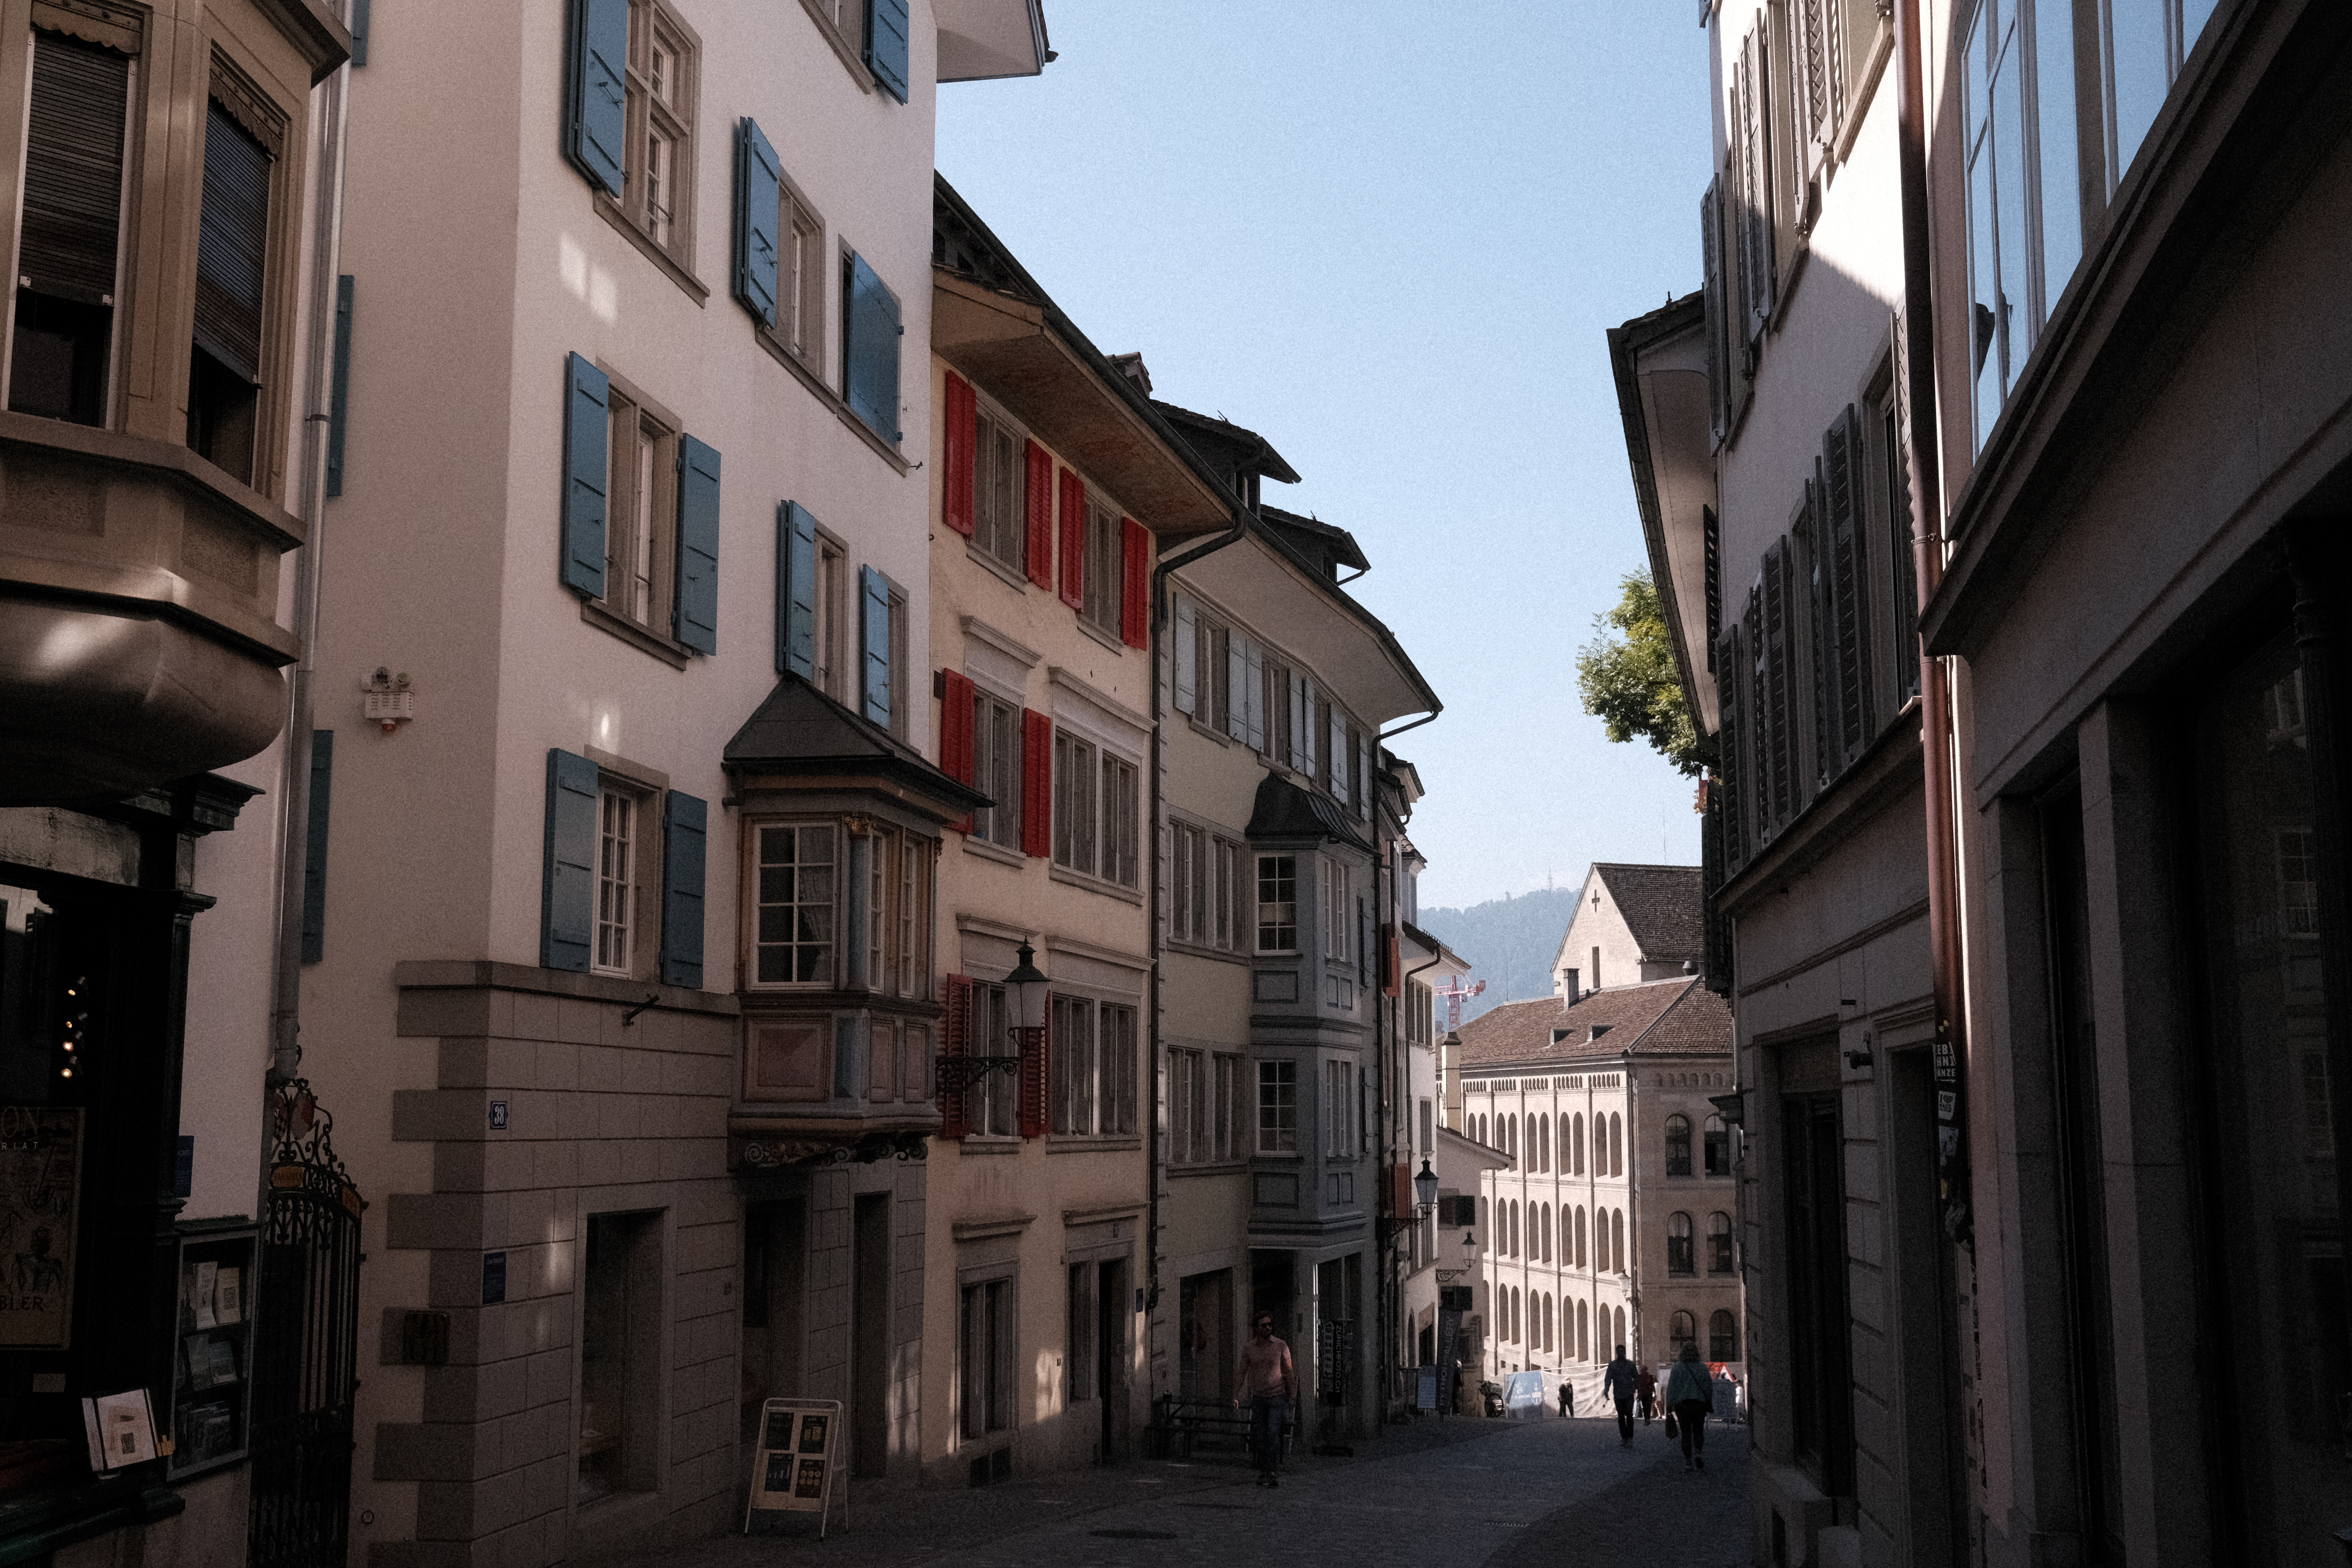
pixel 1454 990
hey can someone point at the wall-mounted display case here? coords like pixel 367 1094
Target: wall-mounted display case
pixel 212 1385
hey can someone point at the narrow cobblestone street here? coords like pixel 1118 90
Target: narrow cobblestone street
pixel 1457 1493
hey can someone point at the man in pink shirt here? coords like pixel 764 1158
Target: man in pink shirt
pixel 1263 1375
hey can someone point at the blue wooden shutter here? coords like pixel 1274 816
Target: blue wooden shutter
pixel 886 45
pixel 595 90
pixel 587 393
pixel 696 620
pixel 314 847
pixel 758 196
pixel 876 593
pixel 685 833
pixel 795 591
pixel 870 356
pixel 567 899
pixel 358 32
pixel 338 386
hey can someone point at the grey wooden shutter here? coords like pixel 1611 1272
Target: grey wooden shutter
pixel 1241 698
pixel 1253 681
pixel 358 32
pixel 1778 683
pixel 685 840
pixel 339 389
pixel 72 222
pixel 696 618
pixel 1188 656
pixel 567 904
pixel 314 846
pixel 795 591
pixel 595 90
pixel 587 438
pixel 1730 772
pixel 232 245
pixel 875 594
pixel 1719 367
pixel 759 209
pixel 1755 719
pixel 1849 580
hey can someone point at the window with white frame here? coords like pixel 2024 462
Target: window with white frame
pixel 992 1104
pixel 1096 811
pixel 1000 517
pixel 658 179
pixel 1278 903
pixel 1093 1058
pixel 1277 1108
pixel 832 585
pixel 897 932
pixel 1204 651
pixel 1203 888
pixel 1105 578
pixel 616 880
pixel 800 279
pixel 792 910
pixel 1339 914
pixel 985 1331
pixel 641 511
pixel 1206 1112
pixel 996 768
pixel 1340 1109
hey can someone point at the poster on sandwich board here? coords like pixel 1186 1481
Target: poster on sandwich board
pixel 792 1466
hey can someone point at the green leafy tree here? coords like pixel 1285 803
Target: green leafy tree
pixel 1626 677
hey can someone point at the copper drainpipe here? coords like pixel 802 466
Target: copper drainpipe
pixel 1921 454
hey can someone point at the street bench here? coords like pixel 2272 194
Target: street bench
pixel 1181 1423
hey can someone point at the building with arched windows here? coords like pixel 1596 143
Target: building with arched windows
pixel 1613 1222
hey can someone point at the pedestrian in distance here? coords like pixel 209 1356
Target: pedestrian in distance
pixel 1567 1398
pixel 1618 1385
pixel 1690 1394
pixel 1647 1393
pixel 1264 1376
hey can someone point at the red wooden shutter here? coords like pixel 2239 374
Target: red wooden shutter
pixel 1041 516
pixel 956 758
pixel 955 1044
pixel 962 444
pixel 1074 541
pixel 1391 964
pixel 1135 559
pixel 1036 1058
pixel 1037 784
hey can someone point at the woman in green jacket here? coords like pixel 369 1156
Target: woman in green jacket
pixel 1690 1394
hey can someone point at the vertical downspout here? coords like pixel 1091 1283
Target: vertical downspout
pixel 1154 1152
pixel 294 802
pixel 1927 564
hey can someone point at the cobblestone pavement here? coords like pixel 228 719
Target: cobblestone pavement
pixel 1537 1494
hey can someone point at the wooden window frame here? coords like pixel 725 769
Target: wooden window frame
pixel 836 946
pixel 631 413
pixel 1000 527
pixel 654 23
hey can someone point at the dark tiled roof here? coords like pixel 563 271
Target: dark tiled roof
pixel 1663 906
pixel 1658 1018
pixel 1327 543
pixel 1286 811
pixel 801 730
pixel 1247 445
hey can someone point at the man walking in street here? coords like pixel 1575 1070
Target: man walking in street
pixel 1618 1385
pixel 1263 1375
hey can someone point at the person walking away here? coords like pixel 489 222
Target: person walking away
pixel 1263 1376
pixel 1647 1393
pixel 1690 1394
pixel 1618 1385
pixel 1567 1398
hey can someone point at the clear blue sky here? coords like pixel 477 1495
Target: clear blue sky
pixel 1390 236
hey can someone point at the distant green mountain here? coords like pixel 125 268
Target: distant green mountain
pixel 1512 941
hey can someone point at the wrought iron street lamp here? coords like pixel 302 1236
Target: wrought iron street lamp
pixel 1424 1199
pixel 1030 993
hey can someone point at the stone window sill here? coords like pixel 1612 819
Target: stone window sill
pixel 609 211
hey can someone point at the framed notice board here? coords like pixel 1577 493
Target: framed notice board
pixel 792 1468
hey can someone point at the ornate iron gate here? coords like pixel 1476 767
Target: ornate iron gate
pixel 306 1360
